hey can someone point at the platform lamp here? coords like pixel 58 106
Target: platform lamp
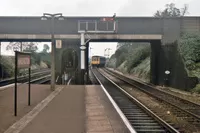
pixel 52 17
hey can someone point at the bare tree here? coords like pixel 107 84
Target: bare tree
pixel 171 11
pixel 21 46
pixel 46 48
pixel 184 10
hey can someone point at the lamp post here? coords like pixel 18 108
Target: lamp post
pixel 52 17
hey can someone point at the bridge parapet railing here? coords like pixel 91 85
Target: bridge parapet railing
pixel 96 26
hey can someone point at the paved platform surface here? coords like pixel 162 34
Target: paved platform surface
pixel 101 115
pixel 7 118
pixel 64 114
pixel 72 109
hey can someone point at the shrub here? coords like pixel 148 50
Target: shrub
pixel 137 56
pixel 189 48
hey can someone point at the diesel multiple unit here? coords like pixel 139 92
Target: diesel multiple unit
pixel 98 61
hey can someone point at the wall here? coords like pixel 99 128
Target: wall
pixel 170 59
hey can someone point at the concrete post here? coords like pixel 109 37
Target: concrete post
pixel 87 62
pixel 52 55
pixel 82 61
pixel 82 51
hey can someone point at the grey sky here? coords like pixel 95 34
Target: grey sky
pixel 101 49
pixel 91 8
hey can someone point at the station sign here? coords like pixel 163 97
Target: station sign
pixel 23 61
pixel 58 43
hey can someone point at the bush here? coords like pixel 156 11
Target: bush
pixel 7 64
pixel 189 48
pixel 120 55
pixel 196 89
pixel 112 62
pixel 143 70
pixel 136 56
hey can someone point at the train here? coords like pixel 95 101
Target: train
pixel 98 61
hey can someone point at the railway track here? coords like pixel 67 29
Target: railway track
pixel 140 117
pixel 23 79
pixel 185 109
pixel 41 80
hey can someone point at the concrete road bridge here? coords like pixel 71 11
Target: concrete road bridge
pixel 77 31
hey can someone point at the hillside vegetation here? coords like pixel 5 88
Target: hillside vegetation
pixel 134 58
pixel 189 48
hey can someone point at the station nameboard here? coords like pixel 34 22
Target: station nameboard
pixel 24 61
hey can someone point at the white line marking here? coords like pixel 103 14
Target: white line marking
pixel 69 81
pixel 6 86
pixel 123 117
pixel 22 123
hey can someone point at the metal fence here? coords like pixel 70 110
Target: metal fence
pixel 95 26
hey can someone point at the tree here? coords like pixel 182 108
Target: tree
pixel 31 47
pixel 189 48
pixel 46 48
pixel 171 11
pixel 21 46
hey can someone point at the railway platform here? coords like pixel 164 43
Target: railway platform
pixel 72 109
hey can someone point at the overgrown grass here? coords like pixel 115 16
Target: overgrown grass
pixel 122 68
pixel 196 89
pixel 133 58
pixel 112 62
pixel 136 56
pixel 143 70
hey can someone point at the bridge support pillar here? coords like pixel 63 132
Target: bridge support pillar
pixel 154 65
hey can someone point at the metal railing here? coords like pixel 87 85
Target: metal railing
pixel 96 26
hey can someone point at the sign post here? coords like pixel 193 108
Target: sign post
pixel 22 60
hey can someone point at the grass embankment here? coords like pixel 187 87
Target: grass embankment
pixel 133 59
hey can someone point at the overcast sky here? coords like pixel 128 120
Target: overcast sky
pixel 92 8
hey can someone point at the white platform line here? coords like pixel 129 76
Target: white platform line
pixel 21 124
pixel 68 83
pixel 6 86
